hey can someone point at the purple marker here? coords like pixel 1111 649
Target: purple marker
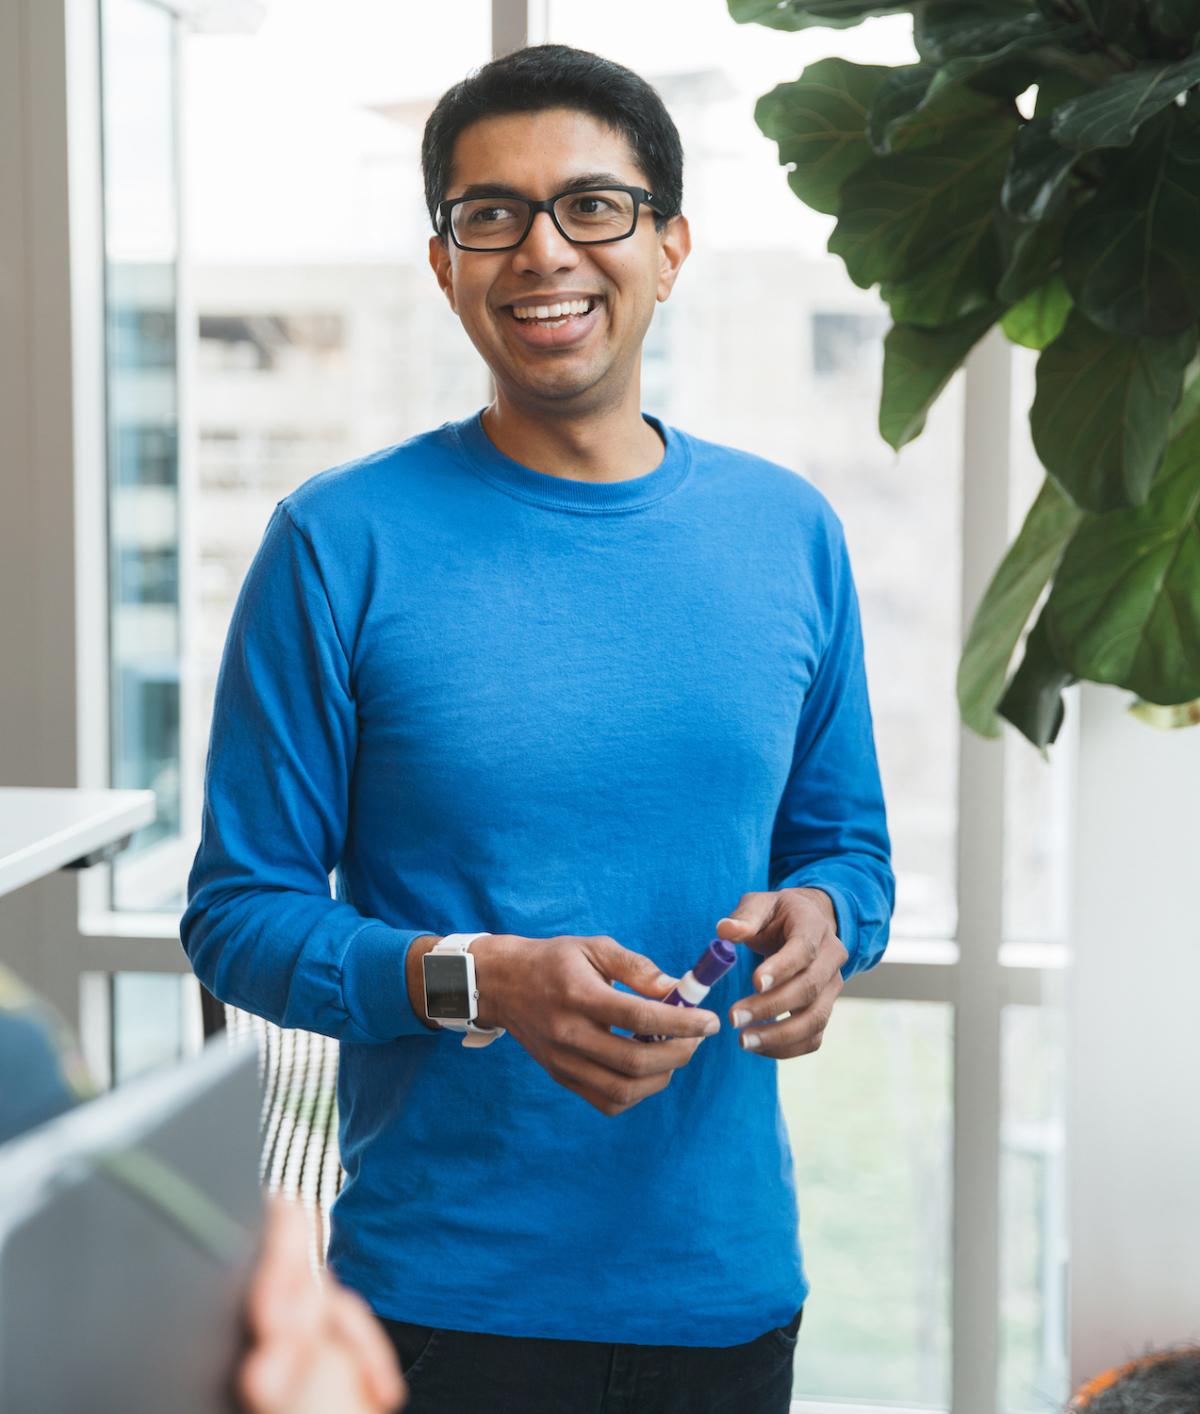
pixel 693 986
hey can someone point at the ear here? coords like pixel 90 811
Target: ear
pixel 674 244
pixel 443 267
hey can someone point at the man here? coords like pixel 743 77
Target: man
pixel 570 682
pixel 311 1346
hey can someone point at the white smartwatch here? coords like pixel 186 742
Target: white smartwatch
pixel 451 996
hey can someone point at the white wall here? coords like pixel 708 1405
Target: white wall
pixel 1134 1063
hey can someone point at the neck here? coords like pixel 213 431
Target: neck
pixel 609 444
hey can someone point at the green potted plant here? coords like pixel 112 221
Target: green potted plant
pixel 1075 226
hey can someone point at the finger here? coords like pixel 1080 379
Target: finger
pixel 283 1297
pixel 752 916
pixel 622 964
pixel 266 1377
pixel 354 1322
pixel 609 1092
pixel 649 1018
pixel 795 994
pixel 628 1057
pixel 792 1036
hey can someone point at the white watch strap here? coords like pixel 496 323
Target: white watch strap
pixel 475 1036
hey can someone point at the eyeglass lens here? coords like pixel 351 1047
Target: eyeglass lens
pixel 583 215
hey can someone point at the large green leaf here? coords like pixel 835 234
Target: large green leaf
pixel 1032 702
pixel 1130 257
pixel 1039 318
pixel 1101 414
pixel 960 282
pixel 1031 252
pixel 819 122
pixel 1112 19
pixel 948 29
pixel 1112 115
pixel 917 365
pixel 793 14
pixel 912 87
pixel 1175 19
pixel 1125 607
pixel 1035 185
pixel 1007 604
pixel 900 211
pixel 1166 719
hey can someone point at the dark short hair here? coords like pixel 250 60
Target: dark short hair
pixel 1166 1381
pixel 544 76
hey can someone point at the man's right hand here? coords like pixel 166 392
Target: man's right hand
pixel 555 996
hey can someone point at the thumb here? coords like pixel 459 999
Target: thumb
pixel 620 964
pixel 750 916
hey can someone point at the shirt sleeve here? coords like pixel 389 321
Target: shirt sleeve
pixel 261 928
pixel 830 831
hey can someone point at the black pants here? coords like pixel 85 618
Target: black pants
pixel 461 1372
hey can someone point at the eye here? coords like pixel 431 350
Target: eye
pixel 482 215
pixel 601 204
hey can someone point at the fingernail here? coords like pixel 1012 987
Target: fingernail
pixel 751 1041
pixel 662 980
pixel 712 1027
pixel 740 1018
pixel 737 922
pixel 765 981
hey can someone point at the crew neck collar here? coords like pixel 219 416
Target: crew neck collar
pixel 563 493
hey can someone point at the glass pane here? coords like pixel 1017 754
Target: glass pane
pixel 1033 1228
pixel 141 251
pixel 869 1116
pixel 147 1022
pixel 1038 790
pixel 766 344
pixel 320 331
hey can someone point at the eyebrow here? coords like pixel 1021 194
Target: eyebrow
pixel 580 183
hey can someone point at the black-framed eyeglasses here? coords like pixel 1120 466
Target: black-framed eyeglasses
pixel 589 217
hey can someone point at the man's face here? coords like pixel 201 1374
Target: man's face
pixel 588 360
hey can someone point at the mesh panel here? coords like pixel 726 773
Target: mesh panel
pixel 298 1122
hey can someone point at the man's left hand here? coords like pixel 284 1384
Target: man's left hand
pixel 796 929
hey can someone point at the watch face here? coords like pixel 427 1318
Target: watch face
pixel 446 997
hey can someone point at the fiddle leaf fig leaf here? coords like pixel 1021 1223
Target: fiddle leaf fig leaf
pixel 1130 254
pixel 912 87
pixel 1175 19
pixel 1101 414
pixel 1035 185
pixel 1039 318
pixel 917 365
pixel 1008 602
pixel 1125 607
pixel 899 211
pixel 819 122
pixel 1112 115
pixel 793 15
pixel 1182 714
pixel 1032 702
pixel 947 29
pixel 1113 19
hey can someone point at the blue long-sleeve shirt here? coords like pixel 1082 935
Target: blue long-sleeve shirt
pixel 497 700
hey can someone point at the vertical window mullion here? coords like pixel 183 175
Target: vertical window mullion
pixel 979 991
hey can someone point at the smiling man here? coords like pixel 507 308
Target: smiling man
pixel 558 690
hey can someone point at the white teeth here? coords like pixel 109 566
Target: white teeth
pixel 551 311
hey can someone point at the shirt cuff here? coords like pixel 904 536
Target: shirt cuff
pixel 374 986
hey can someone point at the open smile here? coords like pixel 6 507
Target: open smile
pixel 564 331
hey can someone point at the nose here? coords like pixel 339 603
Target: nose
pixel 545 248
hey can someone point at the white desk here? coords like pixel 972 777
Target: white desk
pixel 42 830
